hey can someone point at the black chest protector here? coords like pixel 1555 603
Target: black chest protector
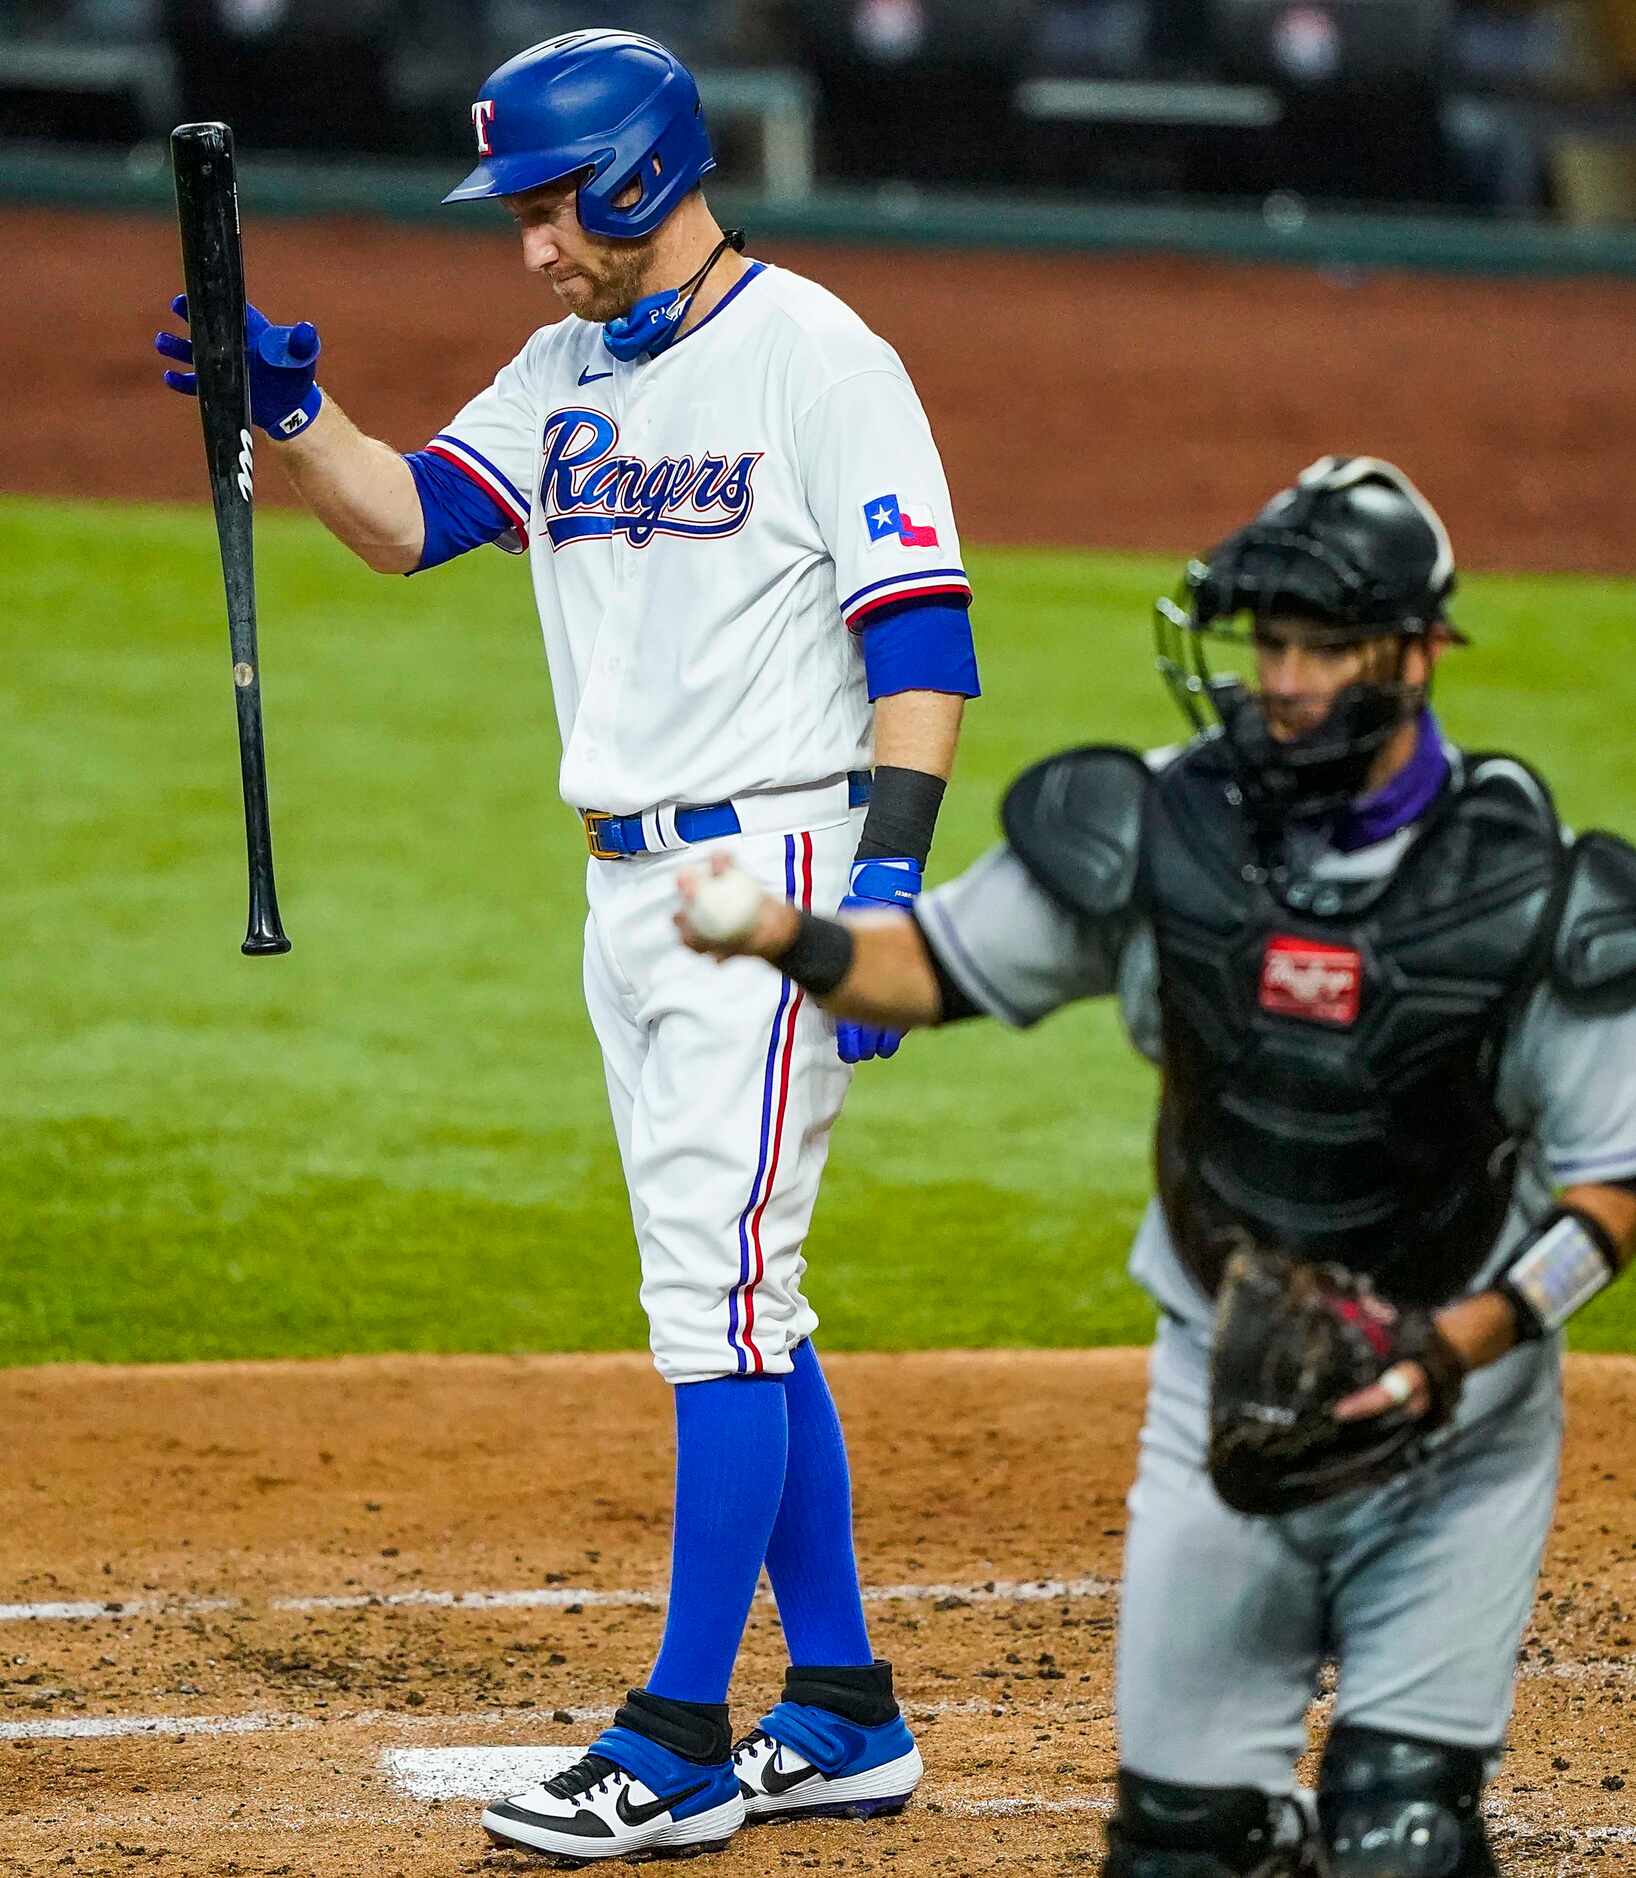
pixel 1331 1047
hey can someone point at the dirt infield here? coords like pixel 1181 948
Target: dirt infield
pixel 287 1594
pixel 1115 403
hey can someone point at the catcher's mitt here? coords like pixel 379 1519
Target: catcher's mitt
pixel 1291 1340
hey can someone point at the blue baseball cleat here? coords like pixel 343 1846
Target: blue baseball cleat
pixel 597 1809
pixel 803 1763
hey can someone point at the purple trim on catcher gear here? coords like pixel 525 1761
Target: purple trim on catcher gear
pixel 1402 799
pixel 941 934
pixel 1609 1170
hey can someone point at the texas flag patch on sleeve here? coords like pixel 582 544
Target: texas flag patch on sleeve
pixel 910 523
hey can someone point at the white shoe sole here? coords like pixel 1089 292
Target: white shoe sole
pixel 684 1838
pixel 880 1790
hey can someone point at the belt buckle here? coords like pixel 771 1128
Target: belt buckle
pixel 593 820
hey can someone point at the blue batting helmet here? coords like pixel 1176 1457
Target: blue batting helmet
pixel 614 104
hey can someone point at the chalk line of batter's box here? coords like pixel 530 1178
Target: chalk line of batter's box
pixel 79 1610
pixel 118 1727
pixel 104 1727
pixel 538 1597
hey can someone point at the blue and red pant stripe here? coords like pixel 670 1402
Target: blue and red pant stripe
pixel 775 1094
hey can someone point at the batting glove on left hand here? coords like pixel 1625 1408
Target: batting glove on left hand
pixel 876 884
pixel 282 363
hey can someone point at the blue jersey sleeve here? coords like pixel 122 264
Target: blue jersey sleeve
pixel 460 514
pixel 916 646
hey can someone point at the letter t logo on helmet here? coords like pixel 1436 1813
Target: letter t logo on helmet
pixel 611 107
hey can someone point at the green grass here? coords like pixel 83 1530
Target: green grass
pixel 396 1137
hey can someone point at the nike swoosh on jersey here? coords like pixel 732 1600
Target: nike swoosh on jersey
pixel 588 377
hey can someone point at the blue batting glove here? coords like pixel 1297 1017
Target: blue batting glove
pixel 886 882
pixel 283 366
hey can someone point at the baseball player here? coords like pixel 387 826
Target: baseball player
pixel 1394 1006
pixel 750 587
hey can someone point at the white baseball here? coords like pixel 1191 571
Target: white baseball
pixel 1397 1384
pixel 726 906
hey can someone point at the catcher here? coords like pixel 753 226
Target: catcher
pixel 1393 1003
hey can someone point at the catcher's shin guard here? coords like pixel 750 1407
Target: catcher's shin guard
pixel 1390 1806
pixel 1162 1830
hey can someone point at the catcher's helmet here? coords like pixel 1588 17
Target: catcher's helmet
pixel 1353 546
pixel 612 104
pixel 1352 552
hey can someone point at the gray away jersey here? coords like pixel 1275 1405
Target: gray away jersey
pixel 1567 1082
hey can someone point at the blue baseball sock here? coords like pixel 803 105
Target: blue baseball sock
pixel 810 1557
pixel 732 1439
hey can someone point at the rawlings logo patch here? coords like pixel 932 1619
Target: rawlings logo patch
pixel 1304 978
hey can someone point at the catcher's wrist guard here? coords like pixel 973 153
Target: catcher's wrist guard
pixel 1558 1269
pixel 1291 1341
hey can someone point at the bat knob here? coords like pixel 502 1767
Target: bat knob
pixel 265 934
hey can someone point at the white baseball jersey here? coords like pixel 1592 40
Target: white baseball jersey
pixel 700 525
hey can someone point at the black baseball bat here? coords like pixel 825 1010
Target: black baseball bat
pixel 207 212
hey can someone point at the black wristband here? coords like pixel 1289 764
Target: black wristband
pixel 902 815
pixel 821 955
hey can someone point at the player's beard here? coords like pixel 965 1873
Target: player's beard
pixel 610 283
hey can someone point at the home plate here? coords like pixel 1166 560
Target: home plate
pixel 473 1773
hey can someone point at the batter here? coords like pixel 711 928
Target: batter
pixel 756 619
pixel 1393 1004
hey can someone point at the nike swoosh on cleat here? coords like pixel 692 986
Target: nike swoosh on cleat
pixel 588 377
pixel 581 1825
pixel 775 1782
pixel 642 1815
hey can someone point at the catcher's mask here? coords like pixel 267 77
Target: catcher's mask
pixel 1352 555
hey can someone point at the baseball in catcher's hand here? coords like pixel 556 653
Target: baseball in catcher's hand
pixel 726 912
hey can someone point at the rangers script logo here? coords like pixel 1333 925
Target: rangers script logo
pixel 588 490
pixel 1305 978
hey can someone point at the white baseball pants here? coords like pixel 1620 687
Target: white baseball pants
pixel 724 1085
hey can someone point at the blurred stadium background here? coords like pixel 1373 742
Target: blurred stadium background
pixel 1502 107
pixel 1144 258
